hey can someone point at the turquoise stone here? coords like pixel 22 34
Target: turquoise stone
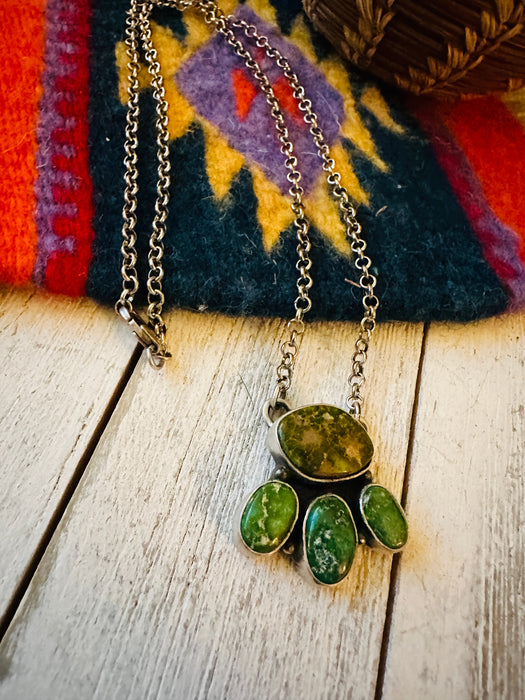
pixel 384 516
pixel 324 442
pixel 330 539
pixel 269 516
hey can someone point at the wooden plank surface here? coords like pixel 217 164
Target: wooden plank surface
pixel 142 594
pixel 458 627
pixel 60 363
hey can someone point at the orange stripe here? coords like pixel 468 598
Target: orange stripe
pixel 21 63
pixel 494 142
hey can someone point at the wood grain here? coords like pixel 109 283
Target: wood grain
pixel 61 361
pixel 458 628
pixel 142 594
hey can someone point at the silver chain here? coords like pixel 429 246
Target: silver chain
pixel 367 280
pixel 138 27
pixel 151 332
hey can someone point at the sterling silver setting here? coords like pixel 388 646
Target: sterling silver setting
pixel 282 462
pixel 239 539
pixel 303 565
pixel 372 540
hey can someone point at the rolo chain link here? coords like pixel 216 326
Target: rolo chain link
pixel 138 24
pixel 225 26
pixel 151 332
pixel 367 280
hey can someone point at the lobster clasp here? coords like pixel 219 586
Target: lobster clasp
pixel 146 335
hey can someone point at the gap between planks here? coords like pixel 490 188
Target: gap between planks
pixel 63 360
pixel 394 571
pixel 70 488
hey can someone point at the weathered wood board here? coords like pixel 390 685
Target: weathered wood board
pixel 458 628
pixel 142 594
pixel 61 361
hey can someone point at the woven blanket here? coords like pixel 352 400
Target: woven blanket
pixel 438 187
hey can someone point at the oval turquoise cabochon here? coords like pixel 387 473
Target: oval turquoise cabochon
pixel 330 539
pixel 323 442
pixel 269 516
pixel 384 516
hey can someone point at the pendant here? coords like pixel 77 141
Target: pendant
pixel 321 502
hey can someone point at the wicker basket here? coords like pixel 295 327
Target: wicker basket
pixel 444 47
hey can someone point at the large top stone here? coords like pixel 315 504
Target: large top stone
pixel 324 442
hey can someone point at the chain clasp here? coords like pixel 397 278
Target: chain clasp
pixel 155 344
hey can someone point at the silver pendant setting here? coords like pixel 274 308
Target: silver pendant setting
pixel 321 501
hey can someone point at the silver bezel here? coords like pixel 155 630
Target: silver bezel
pixel 274 446
pixel 303 563
pixel 365 521
pixel 239 539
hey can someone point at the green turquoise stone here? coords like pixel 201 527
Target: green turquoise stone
pixel 269 516
pixel 384 516
pixel 324 442
pixel 330 539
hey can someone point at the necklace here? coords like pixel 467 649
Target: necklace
pixel 320 501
